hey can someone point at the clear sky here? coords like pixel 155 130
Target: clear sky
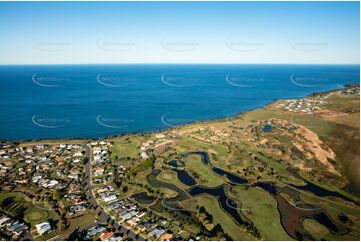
pixel 179 32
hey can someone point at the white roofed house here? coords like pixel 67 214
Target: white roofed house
pixel 144 155
pixel 36 178
pixel 52 183
pixel 76 160
pixel 78 154
pixel 97 158
pixel 29 150
pixel 4 220
pixel 97 150
pixel 43 228
pixel 109 198
pixel 73 176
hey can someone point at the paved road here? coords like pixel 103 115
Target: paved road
pixel 103 216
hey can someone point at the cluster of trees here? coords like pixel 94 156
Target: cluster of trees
pixel 251 229
pixel 143 166
pixel 216 232
pixel 208 216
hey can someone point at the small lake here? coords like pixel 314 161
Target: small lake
pixel 143 198
pixel 227 204
pixel 231 177
pixel 173 163
pixel 184 177
pixel 267 128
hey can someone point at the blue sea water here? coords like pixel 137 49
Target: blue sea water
pixel 59 101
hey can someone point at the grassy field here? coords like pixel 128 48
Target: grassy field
pixel 339 132
pixel 18 204
pixel 242 155
pixel 78 221
pixel 207 177
pixel 47 236
pixel 320 232
pixel 334 208
pixel 36 215
pixel 316 229
pixel 126 146
pixel 219 217
pixel 171 177
pixel 261 208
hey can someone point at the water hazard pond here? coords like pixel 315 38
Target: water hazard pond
pixel 291 216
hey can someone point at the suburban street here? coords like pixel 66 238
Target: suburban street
pixel 103 216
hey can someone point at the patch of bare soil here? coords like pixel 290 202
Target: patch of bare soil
pixel 309 143
pixel 306 141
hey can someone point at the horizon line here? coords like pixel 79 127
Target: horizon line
pixel 161 63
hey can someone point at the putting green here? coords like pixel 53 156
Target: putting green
pixel 36 215
pixel 315 228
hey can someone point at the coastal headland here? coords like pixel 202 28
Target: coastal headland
pixel 286 171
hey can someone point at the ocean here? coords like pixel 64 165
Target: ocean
pixel 90 101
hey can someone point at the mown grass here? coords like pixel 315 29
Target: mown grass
pixel 126 146
pixel 316 229
pixel 79 221
pixel 18 204
pixel 261 208
pixel 206 177
pixel 220 217
pixel 334 208
pixel 171 177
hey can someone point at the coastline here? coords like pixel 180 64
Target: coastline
pixel 82 139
